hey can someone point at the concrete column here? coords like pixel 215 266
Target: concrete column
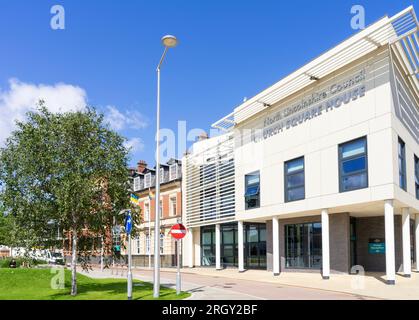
pixel 191 248
pixel 389 235
pixel 325 244
pixel 417 241
pixel 217 247
pixel 275 245
pixel 240 235
pixel 407 259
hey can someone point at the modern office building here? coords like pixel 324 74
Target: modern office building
pixel 320 171
pixel 143 186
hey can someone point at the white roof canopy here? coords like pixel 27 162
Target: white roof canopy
pixel 399 31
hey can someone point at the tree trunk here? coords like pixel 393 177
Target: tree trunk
pixel 74 264
pixel 101 253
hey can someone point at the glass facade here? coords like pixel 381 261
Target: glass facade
pixel 294 180
pixel 353 165
pixel 303 246
pixel 254 245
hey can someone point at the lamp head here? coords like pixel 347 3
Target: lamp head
pixel 169 41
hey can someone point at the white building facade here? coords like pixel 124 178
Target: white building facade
pixel 325 166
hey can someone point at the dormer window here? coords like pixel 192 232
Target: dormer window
pixel 147 180
pixel 137 183
pixel 173 174
pixel 161 175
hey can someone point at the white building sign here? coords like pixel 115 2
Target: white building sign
pixel 312 106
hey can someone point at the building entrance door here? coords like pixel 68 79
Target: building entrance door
pixel 255 246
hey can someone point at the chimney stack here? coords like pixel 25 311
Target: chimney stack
pixel 203 136
pixel 141 166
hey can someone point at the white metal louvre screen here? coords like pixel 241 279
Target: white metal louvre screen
pixel 210 184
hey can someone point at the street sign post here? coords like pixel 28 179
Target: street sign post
pixel 178 232
pixel 128 228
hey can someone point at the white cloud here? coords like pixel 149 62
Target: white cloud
pixel 127 120
pixel 134 144
pixel 22 97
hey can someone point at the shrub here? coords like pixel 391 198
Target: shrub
pixel 27 262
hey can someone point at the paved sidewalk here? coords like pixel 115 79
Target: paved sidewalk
pixel 371 285
pixel 226 286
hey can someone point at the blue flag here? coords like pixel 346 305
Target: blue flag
pixel 128 223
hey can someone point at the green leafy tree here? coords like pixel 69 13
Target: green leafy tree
pixel 70 168
pixel 5 229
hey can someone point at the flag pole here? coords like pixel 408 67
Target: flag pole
pixel 149 229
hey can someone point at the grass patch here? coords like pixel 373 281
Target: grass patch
pixel 35 284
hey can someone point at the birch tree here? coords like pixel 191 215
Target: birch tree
pixel 70 168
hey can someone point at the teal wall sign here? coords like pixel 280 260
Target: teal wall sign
pixel 376 246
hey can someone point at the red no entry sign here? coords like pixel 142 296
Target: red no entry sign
pixel 178 231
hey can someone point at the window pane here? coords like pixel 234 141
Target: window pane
pixel 262 234
pixel 252 179
pixel 354 165
pixel 228 237
pixel 296 194
pixel 401 148
pixel 252 202
pixel 252 235
pixel 252 190
pixel 228 252
pixel 354 182
pixel 401 181
pixel 353 148
pixel 295 165
pixel 252 182
pixel 295 180
pixel 206 238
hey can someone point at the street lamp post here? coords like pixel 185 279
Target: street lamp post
pixel 168 41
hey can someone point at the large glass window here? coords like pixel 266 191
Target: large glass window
pixel 402 164
pixel 207 246
pixel 417 177
pixel 255 246
pixel 303 245
pixel 229 247
pixel 294 180
pixel 252 193
pixel 173 209
pixel 254 251
pixel 353 165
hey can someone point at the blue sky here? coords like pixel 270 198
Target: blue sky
pixel 228 50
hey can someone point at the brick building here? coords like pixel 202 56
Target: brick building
pixel 143 185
